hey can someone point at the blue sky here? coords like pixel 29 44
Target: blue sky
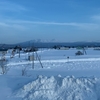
pixel 62 20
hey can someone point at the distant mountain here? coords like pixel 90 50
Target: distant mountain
pixel 48 44
pixel 39 43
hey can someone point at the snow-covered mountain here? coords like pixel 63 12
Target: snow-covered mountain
pixel 44 40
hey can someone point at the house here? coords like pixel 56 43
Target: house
pixel 32 49
pixel 97 48
pixel 64 48
pixel 61 47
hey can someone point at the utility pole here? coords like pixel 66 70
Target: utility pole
pixel 33 61
pixel 39 59
pixel 33 56
pixel 19 52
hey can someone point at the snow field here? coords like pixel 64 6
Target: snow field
pixel 59 79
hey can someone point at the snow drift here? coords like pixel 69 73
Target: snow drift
pixel 59 88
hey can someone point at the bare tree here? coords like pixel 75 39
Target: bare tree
pixel 25 69
pixel 3 63
pixel 12 54
pixel 3 55
pixel 4 67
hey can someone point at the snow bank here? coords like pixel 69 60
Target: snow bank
pixel 59 88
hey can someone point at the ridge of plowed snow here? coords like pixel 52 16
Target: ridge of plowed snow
pixel 59 88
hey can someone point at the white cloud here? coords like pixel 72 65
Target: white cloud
pixel 9 6
pixel 96 17
pixel 21 24
pixel 4 24
pixel 13 26
pixel 86 26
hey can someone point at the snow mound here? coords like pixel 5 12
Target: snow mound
pixel 60 88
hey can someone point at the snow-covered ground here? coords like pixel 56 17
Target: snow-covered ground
pixel 76 78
